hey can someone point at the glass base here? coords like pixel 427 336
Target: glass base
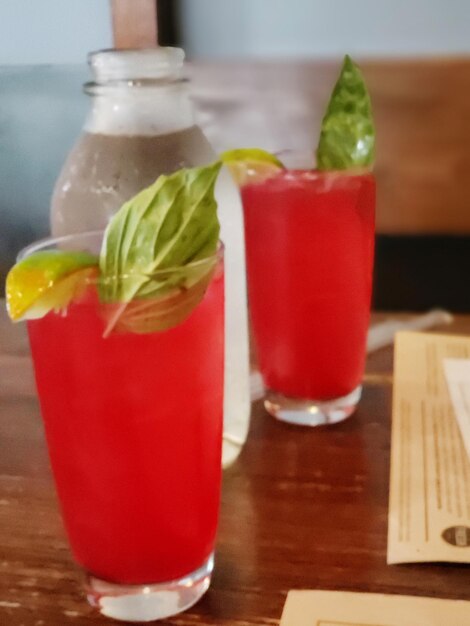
pixel 146 603
pixel 304 412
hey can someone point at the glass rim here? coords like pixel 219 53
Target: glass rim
pixel 303 160
pixel 315 174
pixel 49 242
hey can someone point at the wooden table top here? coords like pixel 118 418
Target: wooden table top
pixel 301 508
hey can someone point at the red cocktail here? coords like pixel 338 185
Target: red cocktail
pixel 310 243
pixel 134 430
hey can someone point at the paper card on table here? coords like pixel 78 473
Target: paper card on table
pixel 457 372
pixel 338 608
pixel 429 514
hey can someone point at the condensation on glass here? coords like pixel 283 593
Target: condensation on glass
pixel 140 125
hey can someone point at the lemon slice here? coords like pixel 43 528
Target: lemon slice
pixel 251 165
pixel 47 281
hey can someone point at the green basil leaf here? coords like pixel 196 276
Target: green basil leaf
pixel 161 312
pixel 168 225
pixel 347 138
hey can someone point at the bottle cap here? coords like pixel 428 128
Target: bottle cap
pixel 149 64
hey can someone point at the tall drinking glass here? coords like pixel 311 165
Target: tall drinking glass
pixel 134 430
pixel 310 242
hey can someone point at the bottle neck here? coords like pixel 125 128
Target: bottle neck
pixel 139 109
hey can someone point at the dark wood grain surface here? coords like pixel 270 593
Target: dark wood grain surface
pixel 301 508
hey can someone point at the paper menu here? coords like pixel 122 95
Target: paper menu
pixel 338 608
pixel 457 372
pixel 429 513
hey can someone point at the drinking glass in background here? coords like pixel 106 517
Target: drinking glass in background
pixel 134 431
pixel 310 245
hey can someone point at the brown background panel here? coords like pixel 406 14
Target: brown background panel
pixel 423 125
pixel 422 112
pixel 134 23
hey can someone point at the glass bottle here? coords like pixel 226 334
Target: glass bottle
pixel 140 125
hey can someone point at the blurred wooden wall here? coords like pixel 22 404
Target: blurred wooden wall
pixel 422 112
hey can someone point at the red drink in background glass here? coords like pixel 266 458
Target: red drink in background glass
pixel 134 431
pixel 310 243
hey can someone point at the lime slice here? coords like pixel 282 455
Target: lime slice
pixel 251 165
pixel 47 281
